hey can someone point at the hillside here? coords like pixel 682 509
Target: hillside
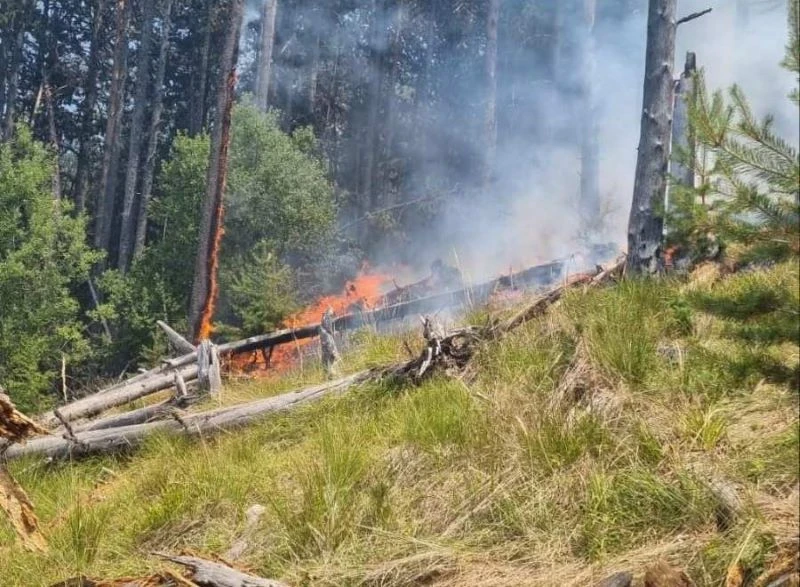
pixel 616 430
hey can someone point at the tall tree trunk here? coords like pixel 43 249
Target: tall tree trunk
pixel 490 120
pixel 646 222
pixel 389 117
pixel 313 75
pixel 152 134
pixel 199 107
pixel 590 168
pixel 52 131
pixel 87 109
pixel 48 63
pixel 14 65
pixel 204 288
pixel 265 44
pixel 682 151
pixel 129 200
pixel 376 51
pixel 108 180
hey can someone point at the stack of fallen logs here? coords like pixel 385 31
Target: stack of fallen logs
pixel 73 434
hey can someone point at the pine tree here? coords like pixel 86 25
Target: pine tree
pixel 749 190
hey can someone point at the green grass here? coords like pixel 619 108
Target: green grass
pixel 485 480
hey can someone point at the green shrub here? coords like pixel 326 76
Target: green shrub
pixel 43 258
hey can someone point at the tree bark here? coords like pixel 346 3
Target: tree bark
pixel 266 43
pixel 490 120
pixel 152 134
pixel 682 152
pixel 646 222
pixel 204 287
pixel 87 109
pixel 590 168
pixel 129 200
pixel 104 215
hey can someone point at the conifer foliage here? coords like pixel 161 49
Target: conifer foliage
pixel 749 188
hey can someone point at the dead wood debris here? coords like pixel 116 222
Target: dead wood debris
pixel 15 427
pixel 16 504
pixel 198 572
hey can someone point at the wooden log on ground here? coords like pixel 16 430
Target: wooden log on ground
pixel 215 373
pixel 139 416
pixel 213 574
pixel 112 440
pixel 97 403
pixel 14 425
pixel 178 342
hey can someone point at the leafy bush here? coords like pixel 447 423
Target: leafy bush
pixel 43 257
pixel 279 217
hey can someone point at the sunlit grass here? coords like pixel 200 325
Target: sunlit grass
pixel 400 485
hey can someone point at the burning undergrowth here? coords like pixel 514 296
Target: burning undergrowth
pixel 376 299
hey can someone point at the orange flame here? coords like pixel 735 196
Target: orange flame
pixel 206 327
pixel 363 293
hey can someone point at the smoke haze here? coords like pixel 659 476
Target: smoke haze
pixel 531 214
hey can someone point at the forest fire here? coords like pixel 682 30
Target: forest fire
pixel 365 292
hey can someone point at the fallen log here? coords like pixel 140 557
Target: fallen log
pixel 213 574
pixel 138 416
pixel 16 427
pixel 198 573
pixel 110 440
pixel 178 342
pixel 162 377
pixel 94 404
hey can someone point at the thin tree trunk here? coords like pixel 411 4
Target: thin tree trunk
pixel 53 132
pixel 204 288
pixel 646 222
pixel 152 135
pixel 108 180
pixel 389 117
pixel 48 64
pixel 266 43
pixel 590 168
pixel 87 110
pixel 313 75
pixel 20 19
pixel 490 120
pixel 368 197
pixel 129 200
pixel 199 110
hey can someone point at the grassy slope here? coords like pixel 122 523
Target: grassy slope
pixel 486 481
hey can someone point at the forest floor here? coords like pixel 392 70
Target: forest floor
pixel 593 439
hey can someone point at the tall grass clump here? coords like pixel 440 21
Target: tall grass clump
pixel 621 326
